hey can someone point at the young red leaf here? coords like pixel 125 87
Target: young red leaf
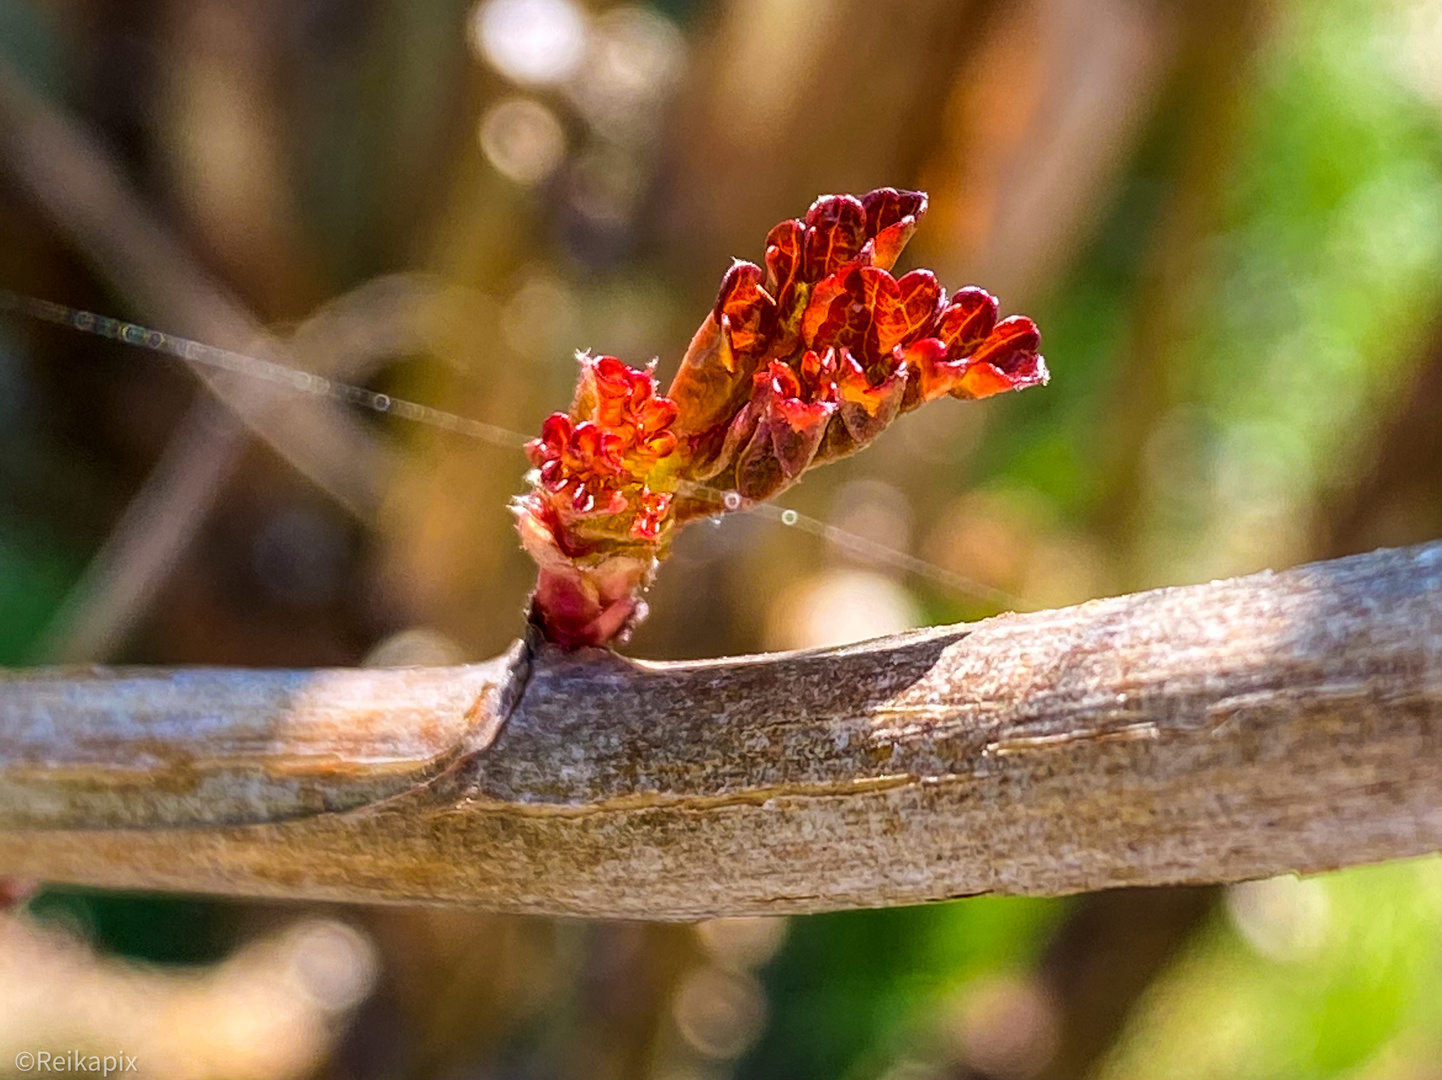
pixel 783 265
pixel 835 233
pixel 859 308
pixel 1006 360
pixel 866 409
pixel 743 306
pixel 796 365
pixel 920 298
pixel 891 218
pixel 967 321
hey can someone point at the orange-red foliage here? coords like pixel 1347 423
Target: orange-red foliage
pixel 796 365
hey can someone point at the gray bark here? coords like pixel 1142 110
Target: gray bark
pixel 1279 722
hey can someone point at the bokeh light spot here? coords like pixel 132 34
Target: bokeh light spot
pixel 531 42
pixel 523 140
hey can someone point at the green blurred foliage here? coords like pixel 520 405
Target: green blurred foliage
pixel 156 929
pixel 1317 292
pixel 853 990
pixel 1338 975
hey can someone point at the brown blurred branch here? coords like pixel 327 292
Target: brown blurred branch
pixel 747 146
pixel 1288 721
pixel 1112 947
pixel 85 194
pixel 1042 117
pixel 1205 101
pixel 346 339
pixel 1399 493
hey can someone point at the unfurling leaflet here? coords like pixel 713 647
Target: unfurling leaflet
pixel 799 363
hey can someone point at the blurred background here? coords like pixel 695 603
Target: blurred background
pixel 1226 217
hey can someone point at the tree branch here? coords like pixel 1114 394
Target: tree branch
pixel 1288 721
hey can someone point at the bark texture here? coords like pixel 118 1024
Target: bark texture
pixel 1287 721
